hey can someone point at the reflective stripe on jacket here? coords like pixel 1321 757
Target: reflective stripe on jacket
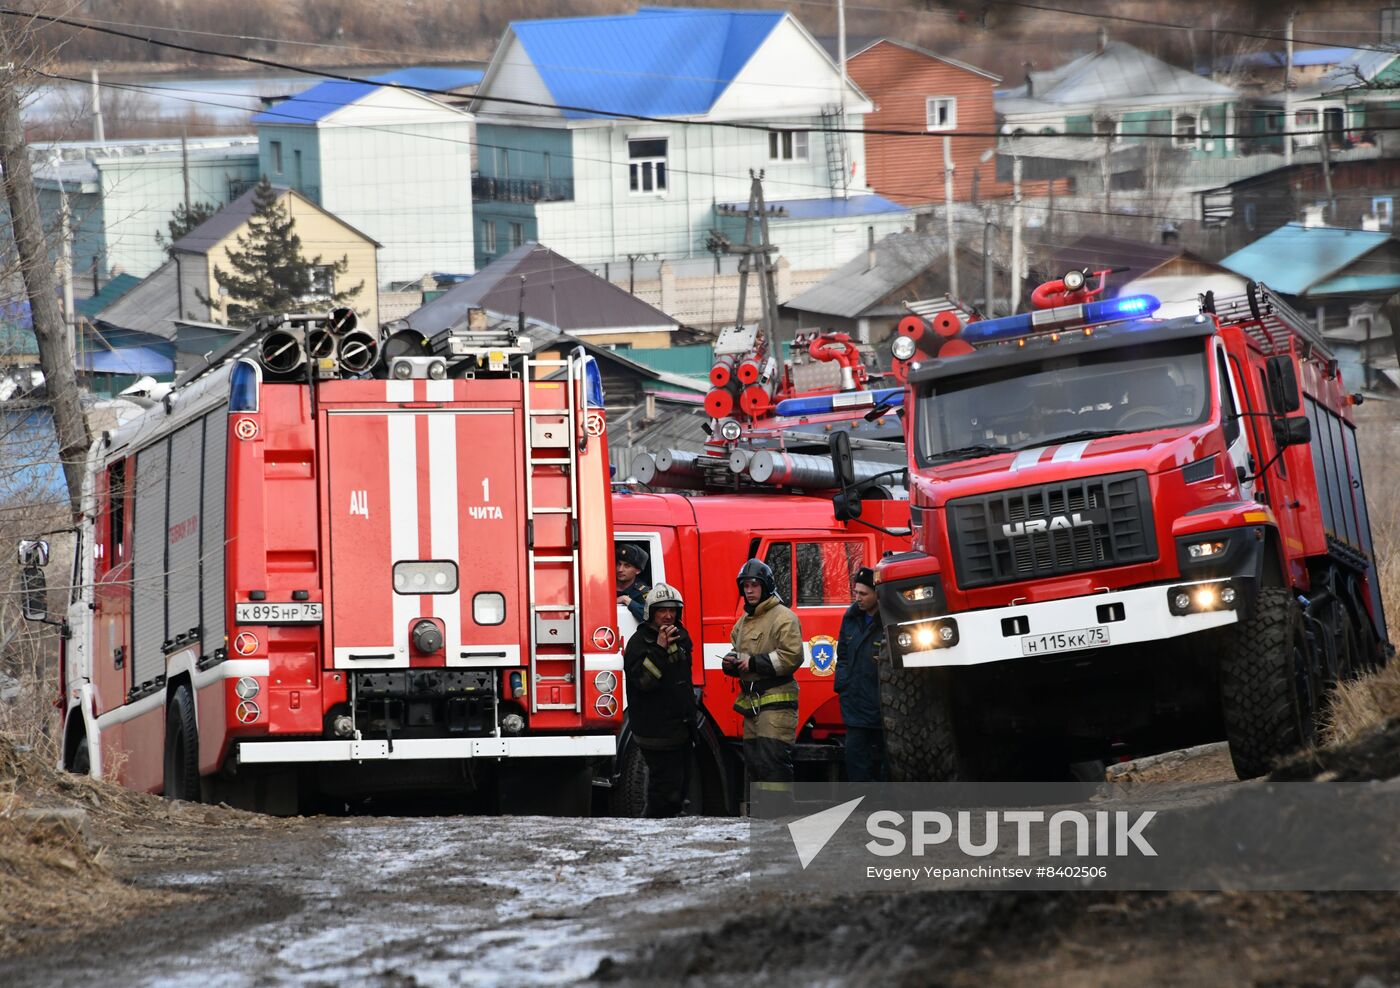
pixel 772 637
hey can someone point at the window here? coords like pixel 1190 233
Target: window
pixel 1186 125
pixel 787 145
pixel 116 513
pixel 488 236
pixel 1229 414
pixel 517 235
pixel 779 560
pixel 323 280
pixel 276 148
pixel 825 573
pixel 502 163
pixel 646 165
pixel 941 112
pixel 1383 208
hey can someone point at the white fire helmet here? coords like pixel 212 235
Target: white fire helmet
pixel 663 595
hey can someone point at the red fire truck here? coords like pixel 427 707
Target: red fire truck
pixel 1130 535
pixel 761 489
pixel 312 567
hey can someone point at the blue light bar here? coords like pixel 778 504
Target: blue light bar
pixel 841 401
pixel 1041 320
pixel 243 385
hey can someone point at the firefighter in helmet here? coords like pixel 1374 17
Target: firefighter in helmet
pixel 631 592
pixel 767 643
pixel 660 700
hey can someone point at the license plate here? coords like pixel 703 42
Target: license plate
pixel 279 612
pixel 1064 641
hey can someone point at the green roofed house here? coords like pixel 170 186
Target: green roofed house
pixel 1123 88
pixel 1342 278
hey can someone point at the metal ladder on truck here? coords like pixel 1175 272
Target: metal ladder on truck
pixel 551 413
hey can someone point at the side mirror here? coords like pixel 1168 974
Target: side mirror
pixel 33 552
pixel 34 597
pixel 1292 432
pixel 1283 385
pixel 840 445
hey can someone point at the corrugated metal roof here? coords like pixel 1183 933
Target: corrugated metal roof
pixel 1120 74
pixel 436 78
pixel 822 209
pixel 321 100
pixel 656 62
pixel 217 228
pixel 1359 67
pixel 1294 257
pixel 1357 284
pixel 150 307
pixel 552 290
pixel 857 285
pixel 110 292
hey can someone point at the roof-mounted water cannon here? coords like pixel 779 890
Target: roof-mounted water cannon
pixel 744 376
pixel 483 349
pixel 1073 287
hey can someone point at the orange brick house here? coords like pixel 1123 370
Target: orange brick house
pixel 916 89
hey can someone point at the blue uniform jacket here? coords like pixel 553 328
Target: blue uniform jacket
pixel 857 678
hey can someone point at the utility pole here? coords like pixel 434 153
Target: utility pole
pixel 1288 89
pixel 988 282
pixel 185 170
pixel 1014 290
pixel 55 359
pixel 98 133
pixel 757 213
pixel 948 211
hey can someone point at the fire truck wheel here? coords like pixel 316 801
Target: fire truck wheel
pixel 181 747
pixel 1269 684
pixel 630 793
pixel 920 736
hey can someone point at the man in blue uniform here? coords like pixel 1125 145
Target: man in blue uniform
pixel 858 682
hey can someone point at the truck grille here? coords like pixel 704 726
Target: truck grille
pixel 1083 524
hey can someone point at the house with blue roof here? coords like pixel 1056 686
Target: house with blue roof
pixel 617 136
pixel 1340 277
pixel 390 161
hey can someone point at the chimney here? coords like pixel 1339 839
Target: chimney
pixel 1103 38
pixel 870 248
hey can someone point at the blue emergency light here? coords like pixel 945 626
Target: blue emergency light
pixel 841 401
pixel 1041 320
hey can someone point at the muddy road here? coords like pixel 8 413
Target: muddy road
pixel 233 899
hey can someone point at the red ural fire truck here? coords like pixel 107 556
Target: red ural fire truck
pixel 315 568
pixel 1130 535
pixel 761 488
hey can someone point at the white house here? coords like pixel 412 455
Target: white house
pixel 604 137
pixel 389 161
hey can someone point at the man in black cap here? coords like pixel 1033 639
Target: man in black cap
pixel 858 681
pixel 631 592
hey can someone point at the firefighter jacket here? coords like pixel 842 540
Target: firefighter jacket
pixel 637 593
pixel 857 677
pixel 772 637
pixel 660 699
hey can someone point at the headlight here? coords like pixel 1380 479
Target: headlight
pixel 1074 280
pixel 437 370
pixel 903 347
pixel 926 592
pixel 730 429
pixel 1205 550
pixel 1202 598
pixel 425 576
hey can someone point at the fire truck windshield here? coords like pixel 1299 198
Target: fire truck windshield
pixel 1063 397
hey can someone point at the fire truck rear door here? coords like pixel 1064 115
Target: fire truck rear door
pixel 424 524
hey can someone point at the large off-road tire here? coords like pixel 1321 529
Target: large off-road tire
pixel 181 747
pixel 629 794
pixel 1269 684
pixel 920 735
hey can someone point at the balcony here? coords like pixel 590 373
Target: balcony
pixel 486 189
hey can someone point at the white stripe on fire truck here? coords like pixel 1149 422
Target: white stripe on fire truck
pixel 439 390
pixel 1069 452
pixel 398 390
pixel 1027 458
pixel 403 516
pixel 715 653
pixel 443 508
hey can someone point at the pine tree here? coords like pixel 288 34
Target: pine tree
pixel 184 219
pixel 270 275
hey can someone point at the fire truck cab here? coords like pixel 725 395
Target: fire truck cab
pixel 1130 535
pixel 697 543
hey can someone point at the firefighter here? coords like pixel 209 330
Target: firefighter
pixel 660 700
pixel 631 592
pixel 767 650
pixel 858 681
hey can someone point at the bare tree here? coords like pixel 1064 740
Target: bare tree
pixel 19 53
